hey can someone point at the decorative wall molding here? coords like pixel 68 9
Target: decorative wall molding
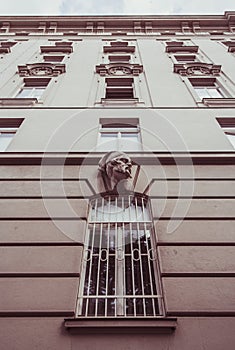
pixel 119 69
pixel 173 48
pixel 197 68
pixel 41 69
pixel 219 102
pixel 65 47
pixel 18 101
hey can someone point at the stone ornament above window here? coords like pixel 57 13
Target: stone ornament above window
pixel 114 173
pixel 119 69
pixel 197 68
pixel 41 69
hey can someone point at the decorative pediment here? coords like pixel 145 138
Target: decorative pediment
pixel 197 68
pixel 41 69
pixel 119 69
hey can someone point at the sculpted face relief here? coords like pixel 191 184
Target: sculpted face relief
pixel 115 169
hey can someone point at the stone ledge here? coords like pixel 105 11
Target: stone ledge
pixel 125 326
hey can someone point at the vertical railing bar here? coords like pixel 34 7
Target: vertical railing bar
pixel 98 269
pixel 152 280
pixel 132 263
pixel 116 257
pixel 141 267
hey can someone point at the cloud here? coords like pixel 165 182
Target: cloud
pixel 177 6
pixel 32 7
pixel 93 7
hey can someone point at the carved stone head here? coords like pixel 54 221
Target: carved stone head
pixel 115 169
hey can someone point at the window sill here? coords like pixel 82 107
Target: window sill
pixel 118 102
pixel 18 101
pixel 219 102
pixel 126 326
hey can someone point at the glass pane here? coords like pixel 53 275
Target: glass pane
pixel 5 140
pixel 129 142
pixel 25 93
pixel 214 93
pixel 202 92
pixel 37 92
pixel 108 142
pixel 231 139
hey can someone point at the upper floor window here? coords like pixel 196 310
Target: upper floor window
pixel 33 87
pixel 186 58
pixel 207 88
pixel 8 129
pixel 119 47
pixel 119 136
pixel 51 58
pixel 120 274
pixel 119 88
pixel 228 126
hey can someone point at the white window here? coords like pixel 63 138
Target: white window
pixel 33 88
pixel 8 129
pixel 207 88
pixel 120 276
pixel 121 137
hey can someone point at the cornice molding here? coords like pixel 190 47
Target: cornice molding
pixel 119 69
pixel 125 23
pixel 41 69
pixel 197 68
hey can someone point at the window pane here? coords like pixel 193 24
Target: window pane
pixel 107 141
pixel 37 92
pixel 231 138
pixel 202 92
pixel 129 142
pixel 5 140
pixel 214 93
pixel 25 93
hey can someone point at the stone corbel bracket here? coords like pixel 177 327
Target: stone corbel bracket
pixel 197 68
pixel 41 69
pixel 119 69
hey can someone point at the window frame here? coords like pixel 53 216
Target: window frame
pixel 8 126
pixel 228 127
pixel 120 128
pixel 213 83
pixel 33 85
pixel 126 305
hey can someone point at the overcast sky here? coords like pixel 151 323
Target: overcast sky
pixel 92 7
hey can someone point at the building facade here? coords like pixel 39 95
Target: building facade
pixel 117 138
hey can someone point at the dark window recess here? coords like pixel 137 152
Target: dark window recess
pixel 119 88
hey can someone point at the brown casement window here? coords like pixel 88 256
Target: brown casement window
pixel 120 275
pixel 186 58
pixel 119 88
pixel 230 45
pixel 5 46
pixel 59 47
pixel 228 126
pixel 119 47
pixel 8 129
pixel 53 58
pixel 33 87
pixel 207 87
pixel 119 58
